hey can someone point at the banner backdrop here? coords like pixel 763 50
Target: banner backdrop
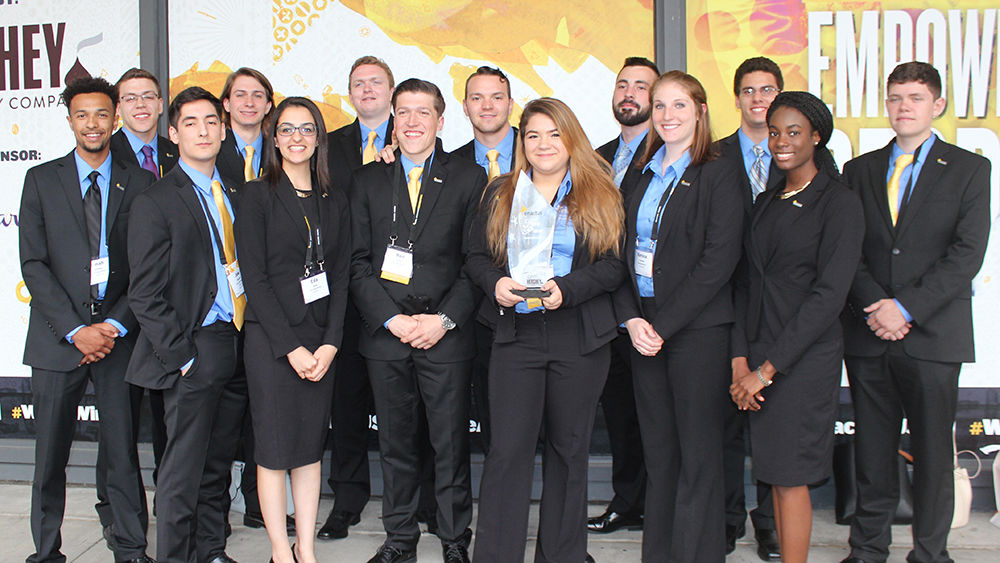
pixel 843 53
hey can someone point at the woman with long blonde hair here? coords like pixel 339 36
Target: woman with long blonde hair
pixel 551 350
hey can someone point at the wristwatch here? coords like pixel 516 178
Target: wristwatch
pixel 446 322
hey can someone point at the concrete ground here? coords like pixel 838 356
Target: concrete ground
pixel 979 541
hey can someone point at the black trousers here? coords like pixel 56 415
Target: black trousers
pixel 350 478
pixel 734 456
pixel 399 386
pixel 204 414
pixel 884 389
pixel 628 469
pixel 681 395
pixel 55 396
pixel 540 379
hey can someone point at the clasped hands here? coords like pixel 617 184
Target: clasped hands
pixel 312 366
pixel 421 331
pixel 746 388
pixel 95 341
pixel 504 297
pixel 886 320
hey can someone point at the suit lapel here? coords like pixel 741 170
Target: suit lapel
pixel 877 170
pixel 116 192
pixel 194 204
pixel 69 179
pixel 930 174
pixel 430 190
pixel 677 204
pixel 350 142
pixel 286 195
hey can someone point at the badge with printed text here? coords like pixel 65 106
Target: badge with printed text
pixel 100 269
pixel 644 263
pixel 235 278
pixel 397 265
pixel 314 287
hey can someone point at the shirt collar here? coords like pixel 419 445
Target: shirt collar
pixel 633 145
pixel 409 164
pixel 678 167
pixel 136 143
pixel 747 145
pixel 83 170
pixel 380 131
pixel 201 181
pixel 505 147
pixel 922 152
pixel 257 143
pixel 564 187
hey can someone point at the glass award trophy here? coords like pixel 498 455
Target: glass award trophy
pixel 529 238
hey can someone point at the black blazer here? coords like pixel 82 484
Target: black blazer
pixel 343 148
pixel 587 288
pixel 172 276
pixel 799 282
pixel 698 246
pixel 55 257
pixel 451 192
pixel 468 150
pixel 729 149
pixel 271 236
pixel 928 259
pixel 634 171
pixel 166 151
pixel 230 161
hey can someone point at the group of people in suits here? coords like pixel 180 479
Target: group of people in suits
pixel 276 281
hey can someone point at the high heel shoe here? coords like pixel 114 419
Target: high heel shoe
pixel 294 558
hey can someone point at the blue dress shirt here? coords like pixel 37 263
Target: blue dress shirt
pixel 380 134
pixel 658 184
pixel 83 170
pixel 563 240
pixel 746 147
pixel 257 144
pixel 911 171
pixel 136 143
pixel 505 149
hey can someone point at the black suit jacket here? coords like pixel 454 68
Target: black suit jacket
pixel 344 152
pixel 166 151
pixel 587 288
pixel 634 171
pixel 230 161
pixel 927 261
pixel 698 246
pixel 729 148
pixel 451 193
pixel 468 150
pixel 272 238
pixel 173 281
pixel 797 284
pixel 55 257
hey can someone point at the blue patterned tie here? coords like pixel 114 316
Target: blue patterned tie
pixel 622 160
pixel 758 175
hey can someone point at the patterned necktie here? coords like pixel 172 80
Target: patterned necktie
pixel 413 186
pixel 147 161
pixel 494 170
pixel 620 165
pixel 368 155
pixel 229 250
pixel 249 173
pixel 758 174
pixel 902 161
pixel 92 213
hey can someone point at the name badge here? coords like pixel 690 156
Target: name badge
pixel 397 265
pixel 235 278
pixel 644 263
pixel 100 268
pixel 314 287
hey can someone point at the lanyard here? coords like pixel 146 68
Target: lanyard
pixel 397 180
pixel 215 230
pixel 313 258
pixel 654 233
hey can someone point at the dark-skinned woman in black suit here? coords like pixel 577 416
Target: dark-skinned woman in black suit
pixel 803 246
pixel 550 356
pixel 684 219
pixel 293 236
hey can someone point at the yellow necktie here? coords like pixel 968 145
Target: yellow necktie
pixel 368 155
pixel 248 170
pixel 494 170
pixel 413 186
pixel 229 251
pixel 902 161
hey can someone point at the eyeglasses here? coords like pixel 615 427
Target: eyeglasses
pixel 287 129
pixel 749 91
pixel 146 97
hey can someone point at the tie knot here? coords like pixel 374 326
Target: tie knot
pixel 903 160
pixel 415 173
pixel 93 177
pixel 248 150
pixel 758 151
pixel 147 151
pixel 492 155
pixel 216 186
pixel 371 137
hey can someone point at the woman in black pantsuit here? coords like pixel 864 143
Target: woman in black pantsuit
pixel 550 356
pixel 684 221
pixel 293 237
pixel 803 247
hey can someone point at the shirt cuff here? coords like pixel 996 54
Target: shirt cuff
pixel 187 365
pixel 906 314
pixel 386 323
pixel 122 331
pixel 69 335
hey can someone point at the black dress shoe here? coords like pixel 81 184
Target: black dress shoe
pixel 590 559
pixel 734 533
pixel 143 559
pixel 251 520
pixel 455 552
pixel 222 559
pixel 768 548
pixel 853 559
pixel 428 517
pixel 387 554
pixel 611 521
pixel 336 525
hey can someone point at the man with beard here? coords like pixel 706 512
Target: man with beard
pixel 631 106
